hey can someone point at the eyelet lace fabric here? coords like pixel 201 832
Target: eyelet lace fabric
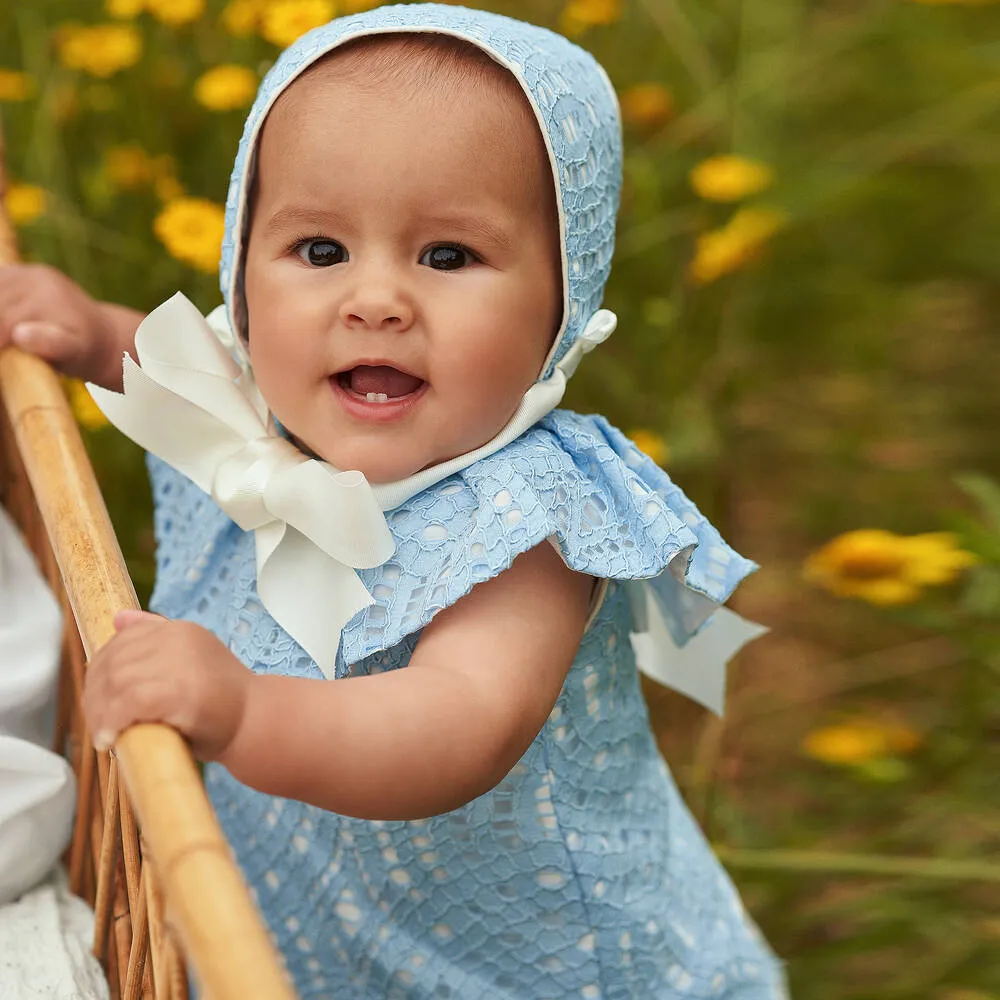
pixel 572 99
pixel 582 874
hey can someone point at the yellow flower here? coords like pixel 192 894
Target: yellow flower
pixel 579 15
pixel 730 178
pixel 285 20
pixel 88 414
pixel 128 167
pixel 357 6
pixel 651 443
pixel 15 86
pixel 242 17
pixel 24 203
pixel 935 558
pixel 226 87
pixel 883 568
pixel 101 50
pixel 191 229
pixel 860 742
pixel 175 12
pixel 124 10
pixel 723 250
pixel 647 106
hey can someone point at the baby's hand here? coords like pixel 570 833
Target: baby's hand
pixel 175 672
pixel 44 312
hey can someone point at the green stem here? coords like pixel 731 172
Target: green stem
pixel 778 859
pixel 682 36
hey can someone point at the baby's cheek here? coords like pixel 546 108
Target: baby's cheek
pixel 486 411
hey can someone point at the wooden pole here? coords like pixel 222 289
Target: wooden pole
pixel 205 895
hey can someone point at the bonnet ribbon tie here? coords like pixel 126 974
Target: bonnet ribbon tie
pixel 189 403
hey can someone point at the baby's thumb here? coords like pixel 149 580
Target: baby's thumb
pixel 48 340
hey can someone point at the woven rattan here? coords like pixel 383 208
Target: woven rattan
pixel 147 852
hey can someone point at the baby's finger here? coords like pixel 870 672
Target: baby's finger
pixel 13 309
pixel 151 699
pixel 94 703
pixel 48 340
pixel 104 739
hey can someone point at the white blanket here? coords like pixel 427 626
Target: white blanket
pixel 45 933
pixel 45 946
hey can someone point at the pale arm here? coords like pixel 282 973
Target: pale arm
pixel 431 736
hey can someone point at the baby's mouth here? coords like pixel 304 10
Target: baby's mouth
pixel 378 383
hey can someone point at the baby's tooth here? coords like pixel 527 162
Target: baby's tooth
pixel 377 397
pixel 372 397
pixel 383 397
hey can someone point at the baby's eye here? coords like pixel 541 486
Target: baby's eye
pixel 448 257
pixel 322 253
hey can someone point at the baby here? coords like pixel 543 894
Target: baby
pixel 362 477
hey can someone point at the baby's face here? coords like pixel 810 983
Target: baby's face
pixel 402 272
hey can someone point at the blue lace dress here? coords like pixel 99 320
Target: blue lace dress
pixel 582 874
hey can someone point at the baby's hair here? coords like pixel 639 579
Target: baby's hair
pixel 416 59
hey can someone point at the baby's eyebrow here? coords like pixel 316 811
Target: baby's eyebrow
pixel 296 217
pixel 475 228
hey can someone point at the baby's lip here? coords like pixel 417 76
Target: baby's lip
pixel 378 363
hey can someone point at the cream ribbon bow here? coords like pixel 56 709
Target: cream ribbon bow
pixel 192 405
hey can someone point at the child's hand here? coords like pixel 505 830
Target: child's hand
pixel 178 673
pixel 44 312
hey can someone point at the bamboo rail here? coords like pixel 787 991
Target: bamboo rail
pixel 177 874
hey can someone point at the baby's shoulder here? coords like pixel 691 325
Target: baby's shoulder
pixel 565 481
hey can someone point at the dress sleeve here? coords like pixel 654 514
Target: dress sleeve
pixel 609 511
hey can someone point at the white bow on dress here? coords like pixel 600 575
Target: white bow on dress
pixel 189 403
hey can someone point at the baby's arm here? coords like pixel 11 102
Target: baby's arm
pixel 427 738
pixel 405 744
pixel 44 312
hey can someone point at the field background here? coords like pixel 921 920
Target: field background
pixel 833 369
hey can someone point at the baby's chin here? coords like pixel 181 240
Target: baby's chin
pixel 380 466
pixel 377 465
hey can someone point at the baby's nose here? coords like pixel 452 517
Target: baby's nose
pixel 377 304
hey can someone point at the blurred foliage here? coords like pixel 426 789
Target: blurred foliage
pixel 806 280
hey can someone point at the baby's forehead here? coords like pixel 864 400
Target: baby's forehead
pixel 422 76
pixel 412 67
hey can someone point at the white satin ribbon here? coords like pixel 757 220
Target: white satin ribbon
pixel 697 670
pixel 190 404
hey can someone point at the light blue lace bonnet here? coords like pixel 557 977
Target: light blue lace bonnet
pixel 633 523
pixel 572 99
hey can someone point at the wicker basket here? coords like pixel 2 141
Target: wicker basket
pixel 147 852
